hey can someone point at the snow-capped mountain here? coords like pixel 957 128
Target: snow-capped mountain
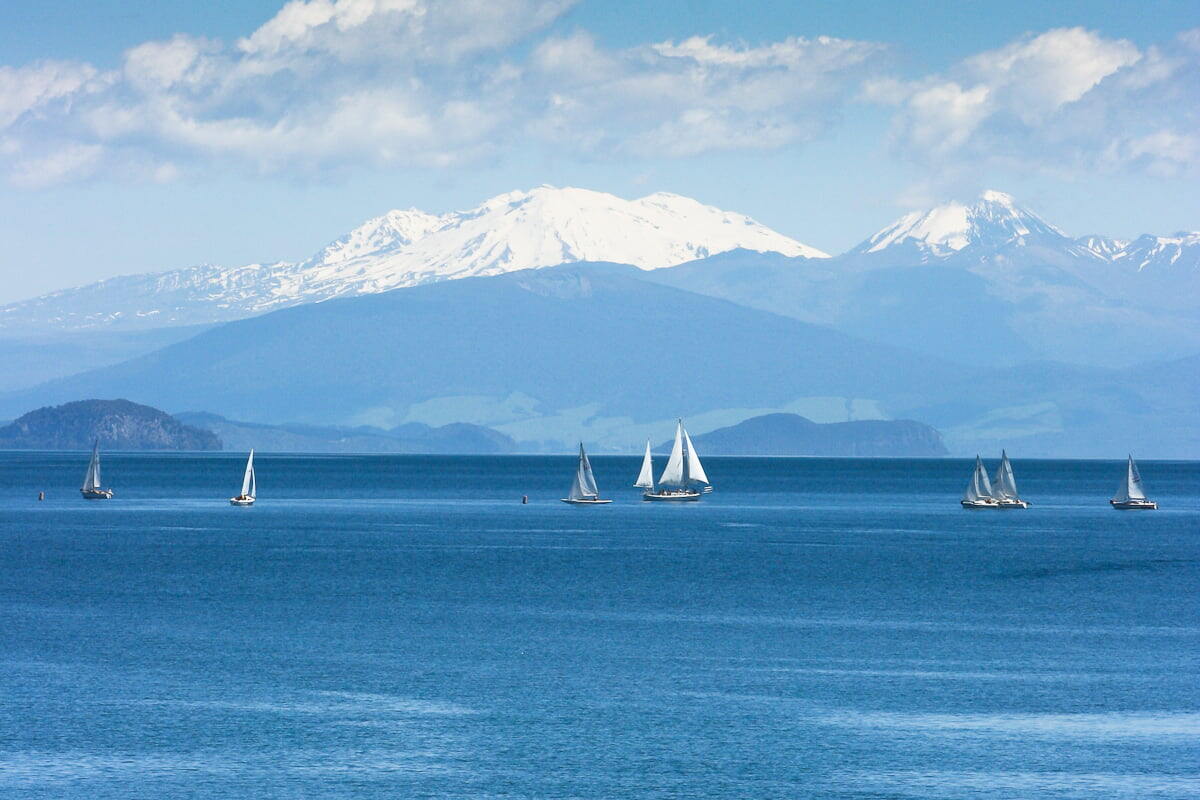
pixel 995 223
pixel 519 230
pixel 994 219
pixel 1181 251
pixel 935 280
pixel 1105 248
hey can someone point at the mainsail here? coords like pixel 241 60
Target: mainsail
pixel 675 474
pixel 1005 485
pixel 980 488
pixel 683 467
pixel 584 485
pixel 646 476
pixel 1131 489
pixel 695 468
pixel 248 487
pixel 91 481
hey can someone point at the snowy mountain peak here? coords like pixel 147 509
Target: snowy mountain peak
pixel 395 228
pixel 1103 247
pixel 993 219
pixel 1181 250
pixel 540 227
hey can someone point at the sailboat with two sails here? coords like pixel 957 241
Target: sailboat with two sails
pixel 1004 485
pixel 92 489
pixel 683 478
pixel 1131 496
pixel 249 487
pixel 584 491
pixel 979 490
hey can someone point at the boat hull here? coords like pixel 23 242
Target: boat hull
pixel 1134 505
pixel 241 501
pixel 596 502
pixel 681 496
pixel 973 504
pixel 1013 504
pixel 96 494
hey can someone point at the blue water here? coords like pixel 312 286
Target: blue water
pixel 396 627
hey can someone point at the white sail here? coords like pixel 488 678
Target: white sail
pixel 646 476
pixel 584 485
pixel 980 488
pixel 1131 489
pixel 1005 484
pixel 248 478
pixel 585 469
pixel 675 474
pixel 695 468
pixel 91 481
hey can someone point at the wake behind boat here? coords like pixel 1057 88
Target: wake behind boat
pixel 249 489
pixel 1131 496
pixel 979 490
pixel 584 491
pixel 683 472
pixel 91 489
pixel 1004 486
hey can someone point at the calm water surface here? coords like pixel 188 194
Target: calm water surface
pixel 403 627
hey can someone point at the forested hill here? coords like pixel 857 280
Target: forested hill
pixel 116 424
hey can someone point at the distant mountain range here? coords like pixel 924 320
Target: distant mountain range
pixel 980 319
pixel 539 228
pixel 986 281
pixel 115 424
pixel 604 353
pixel 413 437
pixel 793 435
pixel 589 351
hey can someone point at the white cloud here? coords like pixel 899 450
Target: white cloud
pixel 320 85
pixel 36 87
pixel 68 162
pixel 1035 77
pixel 1065 100
pixel 332 84
pixel 690 97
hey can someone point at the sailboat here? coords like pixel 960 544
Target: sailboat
pixel 645 479
pixel 91 489
pixel 583 488
pixel 249 489
pixel 979 490
pixel 683 472
pixel 1004 485
pixel 1131 496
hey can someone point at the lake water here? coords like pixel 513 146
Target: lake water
pixel 403 627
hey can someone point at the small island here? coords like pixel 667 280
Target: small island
pixel 116 424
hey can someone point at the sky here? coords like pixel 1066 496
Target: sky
pixel 140 136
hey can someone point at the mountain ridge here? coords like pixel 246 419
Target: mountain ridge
pixel 547 226
pixel 542 227
pixel 784 434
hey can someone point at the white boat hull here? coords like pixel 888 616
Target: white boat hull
pixel 596 502
pixel 1013 504
pixel 1134 505
pixel 241 501
pixel 96 494
pixel 979 504
pixel 676 496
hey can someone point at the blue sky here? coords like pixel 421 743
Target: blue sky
pixel 142 136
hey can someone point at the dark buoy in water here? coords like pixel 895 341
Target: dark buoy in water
pixel 41 495
pixel 524 499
